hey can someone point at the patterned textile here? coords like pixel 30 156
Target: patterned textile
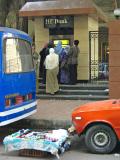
pixel 49 141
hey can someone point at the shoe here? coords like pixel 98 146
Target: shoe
pixel 52 93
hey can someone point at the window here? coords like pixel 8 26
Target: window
pixel 17 56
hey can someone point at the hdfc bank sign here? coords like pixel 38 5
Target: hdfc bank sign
pixel 55 21
pixel 58 21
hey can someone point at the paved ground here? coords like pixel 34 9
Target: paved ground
pixel 59 110
pixel 56 109
pixel 53 113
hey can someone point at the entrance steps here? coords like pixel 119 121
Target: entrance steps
pixel 80 91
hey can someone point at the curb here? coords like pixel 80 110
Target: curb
pixel 40 124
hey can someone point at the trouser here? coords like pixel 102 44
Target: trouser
pixel 52 81
pixel 73 73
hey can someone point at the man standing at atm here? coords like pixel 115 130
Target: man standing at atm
pixel 73 62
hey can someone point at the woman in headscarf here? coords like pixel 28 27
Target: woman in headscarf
pixel 36 58
pixel 36 61
pixel 52 68
pixel 64 70
pixel 59 50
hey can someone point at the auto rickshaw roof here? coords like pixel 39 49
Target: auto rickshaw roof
pixel 11 30
pixel 7 31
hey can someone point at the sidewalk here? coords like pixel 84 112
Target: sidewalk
pixel 53 113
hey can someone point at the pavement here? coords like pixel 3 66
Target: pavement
pixel 53 114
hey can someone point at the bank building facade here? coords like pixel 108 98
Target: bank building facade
pixel 66 20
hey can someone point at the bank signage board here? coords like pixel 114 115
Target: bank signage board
pixel 58 21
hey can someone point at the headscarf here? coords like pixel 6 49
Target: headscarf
pixel 52 60
pixel 58 48
pixel 67 49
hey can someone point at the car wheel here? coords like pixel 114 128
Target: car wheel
pixel 100 139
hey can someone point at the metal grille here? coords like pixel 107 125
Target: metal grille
pixel 98 53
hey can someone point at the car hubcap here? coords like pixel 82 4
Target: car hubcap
pixel 101 139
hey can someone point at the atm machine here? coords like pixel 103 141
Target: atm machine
pixel 65 42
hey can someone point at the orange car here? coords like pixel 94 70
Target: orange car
pixel 100 122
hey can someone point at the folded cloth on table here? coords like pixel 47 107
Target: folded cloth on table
pixel 49 141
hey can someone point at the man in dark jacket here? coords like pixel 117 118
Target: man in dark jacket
pixel 73 62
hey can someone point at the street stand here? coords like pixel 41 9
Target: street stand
pixel 38 144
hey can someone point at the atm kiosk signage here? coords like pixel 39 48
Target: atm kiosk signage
pixel 58 21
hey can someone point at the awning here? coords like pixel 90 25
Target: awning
pixel 61 7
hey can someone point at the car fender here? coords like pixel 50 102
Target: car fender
pixel 97 122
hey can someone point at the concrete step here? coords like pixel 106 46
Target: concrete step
pixel 92 81
pixel 77 92
pixel 73 97
pixel 80 86
pixel 80 91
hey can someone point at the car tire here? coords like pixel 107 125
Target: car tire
pixel 100 139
